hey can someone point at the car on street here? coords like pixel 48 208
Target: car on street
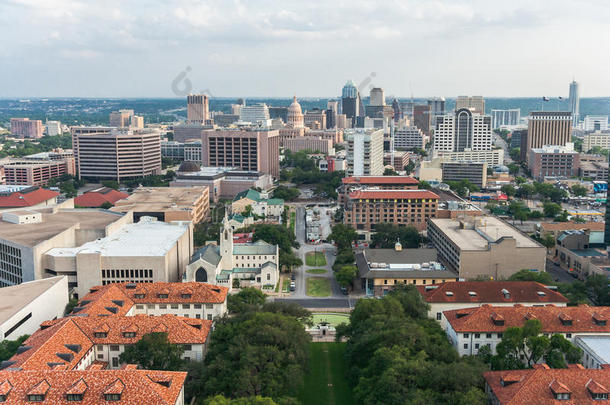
pixel 293 286
pixel 293 276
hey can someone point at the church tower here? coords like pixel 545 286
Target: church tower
pixel 226 244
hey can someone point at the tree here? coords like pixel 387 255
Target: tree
pixel 343 236
pixel 247 211
pixel 8 348
pixel 548 241
pixel 598 289
pixel 551 209
pixel 424 185
pixel 515 154
pixel 579 190
pixel 520 180
pixel 246 300
pixel 541 277
pixel 386 235
pixel 389 172
pixel 508 189
pixel 154 352
pixel 257 400
pixel 409 167
pixel 345 275
pixel 463 187
pixel 525 191
pixel 513 168
pixel 106 205
pixel 285 193
pixel 111 184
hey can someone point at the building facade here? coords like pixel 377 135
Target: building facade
pixel 476 104
pixel 600 138
pixel 364 153
pixel 574 99
pixel 548 128
pixel 197 109
pixel 26 128
pixel 595 123
pixel 28 172
pixel 409 137
pixel 554 161
pixel 474 172
pixel 505 118
pixel 121 118
pixel 310 143
pixel 463 131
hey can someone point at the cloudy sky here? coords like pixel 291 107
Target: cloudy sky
pixel 137 48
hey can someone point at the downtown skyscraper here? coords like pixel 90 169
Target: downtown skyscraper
pixel 574 103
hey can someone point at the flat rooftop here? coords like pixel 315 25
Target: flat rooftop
pixel 144 238
pixel 598 344
pixel 55 223
pixel 487 229
pixel 15 297
pixel 160 198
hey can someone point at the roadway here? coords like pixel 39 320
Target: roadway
pixel 557 273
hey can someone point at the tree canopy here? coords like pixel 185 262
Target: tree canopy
pixel 386 235
pixel 154 352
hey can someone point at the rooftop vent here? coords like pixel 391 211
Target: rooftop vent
pixel 74 348
pixel 65 356
pixel 541 293
pixel 6 364
pixel 472 293
pixel 449 293
pixel 23 349
pixel 118 302
pixel 506 293
pixel 131 286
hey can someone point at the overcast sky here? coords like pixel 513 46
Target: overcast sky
pixel 133 48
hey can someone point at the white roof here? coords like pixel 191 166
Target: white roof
pixel 16 297
pixel 600 345
pixel 145 238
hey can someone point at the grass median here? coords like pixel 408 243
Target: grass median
pixel 318 287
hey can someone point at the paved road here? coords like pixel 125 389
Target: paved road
pixel 321 302
pixel 557 273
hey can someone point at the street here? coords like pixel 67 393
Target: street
pixel 557 273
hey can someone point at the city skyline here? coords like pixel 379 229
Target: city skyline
pixel 92 49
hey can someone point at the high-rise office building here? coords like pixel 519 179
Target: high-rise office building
pixel 351 104
pixel 505 118
pixel 377 97
pixel 574 103
pixel 475 103
pixel 548 128
pixel 278 112
pixel 409 137
pixel 257 151
pixel 137 121
pixel 54 128
pixel 315 119
pixel 396 108
pixel 256 114
pixel 595 123
pixel 198 108
pixel 111 153
pixel 462 131
pixel 332 109
pixel 364 152
pixel 121 118
pixel 26 128
pixel 422 118
pixel 437 106
pixel 294 117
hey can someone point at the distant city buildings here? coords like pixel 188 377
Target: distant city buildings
pixel 554 161
pixel 505 118
pixel 475 172
pixel 548 128
pixel 598 138
pixel 574 99
pixel 351 105
pixel 595 123
pixel 474 103
pixel 294 117
pixel 437 107
pixel 197 109
pixel 409 137
pixel 121 118
pixel 463 131
pixel 315 119
pixel 26 128
pixel 257 114
pixel 364 152
pixel 422 118
pixel 53 128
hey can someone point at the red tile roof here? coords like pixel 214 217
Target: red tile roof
pixel 380 180
pixel 96 198
pixel 490 292
pixel 135 386
pixel 392 194
pixel 26 198
pixel 118 298
pixel 480 319
pixel 538 385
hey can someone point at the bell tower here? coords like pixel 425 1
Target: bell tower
pixel 226 244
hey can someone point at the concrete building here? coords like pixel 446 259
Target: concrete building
pixel 245 149
pixel 595 350
pixel 350 184
pixel 26 235
pixel 456 295
pixel 469 329
pixel 167 204
pixel 595 123
pixel 335 135
pixel 184 133
pixel 189 151
pixel 398 160
pixel 554 161
pixel 110 153
pixel 595 171
pixel 127 386
pixel 366 208
pixel 146 251
pixel 422 118
pixel 294 115
pixel 332 109
pixel 494 157
pixel 225 120
pixel 548 128
pixel 574 99
pixel 30 172
pixel 351 105
pixel 476 104
pixel 463 131
pixel 310 143
pixel 253 264
pixel 409 137
pixel 137 122
pixel 600 138
pixel 381 270
pixel 26 197
pixel 27 305
pixel 53 128
pixel 255 114
pixel 260 203
pixel 474 172
pixel 26 128
pixel 222 182
pixel 364 152
pixel 505 118
pixel 343 122
pixel 197 109
pixel 437 106
pixel 484 247
pixel 545 386
pixel 517 136
pixel 574 253
pixel 184 299
pixel 315 119
pixel 121 118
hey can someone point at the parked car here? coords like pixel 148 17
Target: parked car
pixel 293 276
pixel 343 290
pixel 293 286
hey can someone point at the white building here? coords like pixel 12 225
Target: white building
pixel 364 152
pixel 494 157
pixel 25 306
pixel 257 113
pixel 463 131
pixel 595 123
pixel 409 137
pixel 595 350
pixel 597 138
pixel 574 103
pixel 53 128
pixel 505 118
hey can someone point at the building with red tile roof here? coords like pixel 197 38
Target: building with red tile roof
pixel 26 197
pixel 545 386
pixel 189 299
pixel 95 198
pixel 466 294
pixel 128 386
pixel 469 329
pixel 74 343
pixel 394 182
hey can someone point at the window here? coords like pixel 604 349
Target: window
pixel 198 316
pixel 162 306
pixel 100 347
pixel 100 334
pixel 115 362
pixel 186 315
pixel 100 356
pixel 488 336
pixel 163 295
pixel 599 396
pixel 129 334
pixel 439 316
pixel 187 347
pixel 114 348
pixel 465 345
pixel 139 306
pixel 197 306
pixel 112 397
pixel 568 335
pixel 209 317
pixel 499 336
pixel 476 345
pixel 209 306
pixel 151 306
pixel 36 398
pixel 186 358
pixel 563 396
pixel 477 335
pixel 174 306
pixel 466 335
pixel 74 397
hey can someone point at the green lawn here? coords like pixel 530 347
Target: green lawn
pixel 318 287
pixel 325 383
pixel 315 259
pixel 293 220
pixel 286 285
pixel 316 271
pixel 333 319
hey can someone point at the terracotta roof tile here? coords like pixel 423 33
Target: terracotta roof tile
pixel 96 198
pixel 26 199
pixel 380 180
pixel 554 319
pixel 490 292
pixel 539 385
pixel 135 386
pixel 392 194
